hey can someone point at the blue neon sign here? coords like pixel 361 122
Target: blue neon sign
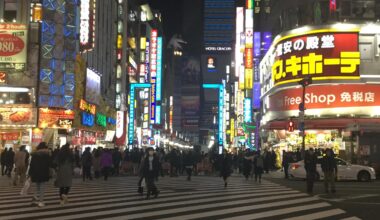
pixel 131 128
pixel 88 119
pixel 247 110
pixel 159 69
pixel 220 88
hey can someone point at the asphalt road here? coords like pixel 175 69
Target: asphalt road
pixel 361 199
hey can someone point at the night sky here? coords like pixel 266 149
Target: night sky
pixel 171 11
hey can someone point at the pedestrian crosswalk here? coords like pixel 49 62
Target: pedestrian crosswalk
pixel 201 198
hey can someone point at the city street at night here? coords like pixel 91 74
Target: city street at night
pixel 202 198
pixel 190 109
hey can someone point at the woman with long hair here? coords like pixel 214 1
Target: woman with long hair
pixel 65 166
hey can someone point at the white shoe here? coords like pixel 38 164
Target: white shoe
pixel 41 204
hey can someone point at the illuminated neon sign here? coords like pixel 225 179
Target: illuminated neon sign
pixel 247 110
pixel 321 55
pixel 159 69
pixel 153 53
pixel 87 107
pixel 87 119
pixel 87 8
pixel 220 88
pixel 131 123
pixel 101 120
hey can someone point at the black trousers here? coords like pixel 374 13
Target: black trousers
pixel 86 172
pixel 116 167
pixel 8 169
pixel 3 169
pixel 189 172
pixel 150 185
pixel 310 177
pixel 63 191
pixel 106 172
pixel 286 170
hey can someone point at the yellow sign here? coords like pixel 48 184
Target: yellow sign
pixel 248 81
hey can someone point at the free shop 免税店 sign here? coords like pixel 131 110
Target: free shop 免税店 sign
pixel 327 96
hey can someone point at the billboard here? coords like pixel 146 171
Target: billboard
pixel 18 116
pixel 13 43
pixel 321 55
pixel 55 118
pixel 92 87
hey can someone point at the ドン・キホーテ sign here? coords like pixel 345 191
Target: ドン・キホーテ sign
pixel 321 55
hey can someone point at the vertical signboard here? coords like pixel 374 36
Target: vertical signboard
pixel 87 9
pixel 247 110
pixel 120 128
pixel 158 81
pixel 153 73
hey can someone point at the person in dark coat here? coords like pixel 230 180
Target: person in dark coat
pixel 311 169
pixel 247 165
pixel 116 159
pixel 258 164
pixel 286 159
pixel 330 170
pixel 3 161
pixel 225 167
pixel 39 172
pixel 65 167
pixel 9 162
pixel 86 164
pixel 77 157
pixel 188 162
pixel 150 172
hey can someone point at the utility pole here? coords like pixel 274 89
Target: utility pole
pixel 301 124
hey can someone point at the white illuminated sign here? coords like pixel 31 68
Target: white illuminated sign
pixel 84 36
pixel 119 124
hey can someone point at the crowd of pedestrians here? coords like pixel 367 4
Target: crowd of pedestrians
pixel 64 163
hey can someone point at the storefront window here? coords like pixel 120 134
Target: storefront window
pixel 10 98
pixel 10 10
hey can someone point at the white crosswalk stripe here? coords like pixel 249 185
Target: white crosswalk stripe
pixel 201 198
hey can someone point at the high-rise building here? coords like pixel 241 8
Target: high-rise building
pixel 216 59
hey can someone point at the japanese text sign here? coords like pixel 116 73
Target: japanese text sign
pixel 87 107
pixel 321 55
pixel 318 97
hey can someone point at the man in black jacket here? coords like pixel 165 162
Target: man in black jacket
pixel 311 169
pixel 330 170
pixel 150 172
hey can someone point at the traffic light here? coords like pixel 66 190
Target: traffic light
pixel 306 81
pixel 290 126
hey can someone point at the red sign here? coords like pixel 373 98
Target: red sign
pixel 327 96
pixel 321 56
pixel 248 58
pixel 10 45
pixel 37 135
pixel 10 136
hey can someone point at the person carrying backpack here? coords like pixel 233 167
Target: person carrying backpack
pixel 258 163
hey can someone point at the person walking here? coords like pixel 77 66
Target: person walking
pixel 150 172
pixel 65 167
pixel 21 160
pixel 9 162
pixel 311 169
pixel 116 159
pixel 188 162
pixel 258 164
pixel 96 163
pixel 247 165
pixel 39 172
pixel 3 161
pixel 286 159
pixel 135 158
pixel 330 170
pixel 225 167
pixel 106 163
pixel 86 164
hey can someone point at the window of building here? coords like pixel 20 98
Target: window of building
pixel 10 10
